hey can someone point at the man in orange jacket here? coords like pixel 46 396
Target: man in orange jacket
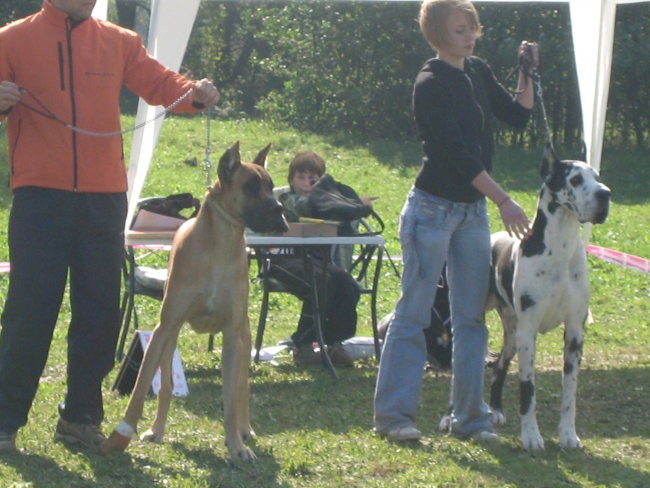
pixel 59 68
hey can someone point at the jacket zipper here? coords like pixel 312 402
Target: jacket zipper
pixel 72 105
pixel 15 146
pixel 61 67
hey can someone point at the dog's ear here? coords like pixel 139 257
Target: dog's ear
pixel 260 159
pixel 549 160
pixel 228 164
pixel 583 153
pixel 553 170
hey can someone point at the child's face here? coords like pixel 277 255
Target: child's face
pixel 302 182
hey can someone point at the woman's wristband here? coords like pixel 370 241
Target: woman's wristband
pixel 503 201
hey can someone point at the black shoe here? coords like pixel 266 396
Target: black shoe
pixel 339 356
pixel 305 355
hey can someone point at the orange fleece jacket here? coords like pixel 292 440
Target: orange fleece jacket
pixel 76 73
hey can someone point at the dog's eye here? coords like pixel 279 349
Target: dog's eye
pixel 576 180
pixel 252 186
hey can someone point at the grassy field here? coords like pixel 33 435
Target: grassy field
pixel 314 431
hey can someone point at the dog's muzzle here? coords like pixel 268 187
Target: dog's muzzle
pixel 603 198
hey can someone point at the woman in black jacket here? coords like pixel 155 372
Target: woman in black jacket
pixel 444 220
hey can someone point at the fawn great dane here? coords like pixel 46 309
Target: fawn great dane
pixel 207 286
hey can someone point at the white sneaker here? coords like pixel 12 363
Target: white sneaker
pixel 404 434
pixel 485 436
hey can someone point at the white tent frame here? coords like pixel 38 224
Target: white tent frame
pixel 592 25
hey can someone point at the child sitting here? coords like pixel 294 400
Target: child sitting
pixel 343 293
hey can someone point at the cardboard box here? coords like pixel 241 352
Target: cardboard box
pixel 304 229
pixel 150 221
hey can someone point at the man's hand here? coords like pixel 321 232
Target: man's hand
pixel 205 93
pixel 9 95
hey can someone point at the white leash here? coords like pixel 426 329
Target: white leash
pixel 207 162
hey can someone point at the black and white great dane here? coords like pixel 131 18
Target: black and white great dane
pixel 541 282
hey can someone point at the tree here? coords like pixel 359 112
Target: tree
pixel 11 10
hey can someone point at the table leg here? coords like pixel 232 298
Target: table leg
pixel 373 301
pixel 318 292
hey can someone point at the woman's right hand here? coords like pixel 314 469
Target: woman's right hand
pixel 514 219
pixel 9 95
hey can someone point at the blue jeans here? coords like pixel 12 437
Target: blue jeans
pixel 434 231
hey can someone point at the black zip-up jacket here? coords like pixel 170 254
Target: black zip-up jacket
pixel 453 109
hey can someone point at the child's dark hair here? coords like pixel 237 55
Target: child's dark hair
pixel 306 162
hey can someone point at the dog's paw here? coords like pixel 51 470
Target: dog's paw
pixel 246 454
pixel 569 440
pixel 532 441
pixel 445 423
pixel 498 418
pixel 242 454
pixel 151 436
pixel 115 444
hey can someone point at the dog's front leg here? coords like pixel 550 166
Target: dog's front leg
pixel 120 438
pixel 235 383
pixel 157 431
pixel 573 342
pixel 530 436
pixel 243 419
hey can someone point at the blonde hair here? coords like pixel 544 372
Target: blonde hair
pixel 433 19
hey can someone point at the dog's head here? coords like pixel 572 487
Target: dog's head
pixel 575 186
pixel 245 192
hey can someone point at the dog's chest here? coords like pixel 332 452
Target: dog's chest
pixel 223 302
pixel 552 291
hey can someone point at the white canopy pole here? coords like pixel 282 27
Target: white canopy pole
pixel 101 10
pixel 169 30
pixel 592 25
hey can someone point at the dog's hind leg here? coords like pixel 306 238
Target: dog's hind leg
pixel 526 339
pixel 157 431
pixel 236 356
pixel 573 343
pixel 501 365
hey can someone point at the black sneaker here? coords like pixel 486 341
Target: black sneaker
pixel 7 442
pixel 305 355
pixel 339 356
pixel 88 435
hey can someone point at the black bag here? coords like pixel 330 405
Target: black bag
pixel 332 200
pixel 172 205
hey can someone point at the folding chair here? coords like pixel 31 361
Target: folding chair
pixel 138 280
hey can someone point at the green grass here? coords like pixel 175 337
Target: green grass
pixel 314 431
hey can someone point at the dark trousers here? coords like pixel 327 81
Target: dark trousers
pixel 343 295
pixel 53 233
